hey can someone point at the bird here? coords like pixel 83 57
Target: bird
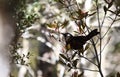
pixel 77 42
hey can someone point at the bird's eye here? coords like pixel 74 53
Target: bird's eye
pixel 68 35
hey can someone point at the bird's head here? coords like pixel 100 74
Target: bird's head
pixel 67 36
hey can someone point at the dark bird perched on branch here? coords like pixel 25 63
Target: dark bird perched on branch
pixel 77 42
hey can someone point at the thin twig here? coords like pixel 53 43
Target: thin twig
pixel 98 17
pixel 110 26
pixel 88 32
pixel 99 61
pixel 104 46
pixel 88 60
pixel 88 69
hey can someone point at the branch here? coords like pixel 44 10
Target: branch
pixel 88 60
pixel 88 69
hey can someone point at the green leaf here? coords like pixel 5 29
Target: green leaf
pixel 74 55
pixel 87 46
pixel 61 61
pixel 64 57
pixel 77 32
pixel 65 23
pixel 52 25
pixel 75 62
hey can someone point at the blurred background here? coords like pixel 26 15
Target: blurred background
pixel 31 40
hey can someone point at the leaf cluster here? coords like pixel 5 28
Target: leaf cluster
pixel 23 20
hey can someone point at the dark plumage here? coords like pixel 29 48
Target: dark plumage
pixel 77 42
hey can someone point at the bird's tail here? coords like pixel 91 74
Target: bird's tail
pixel 92 34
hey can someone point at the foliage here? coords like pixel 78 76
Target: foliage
pixel 59 21
pixel 72 58
pixel 23 19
